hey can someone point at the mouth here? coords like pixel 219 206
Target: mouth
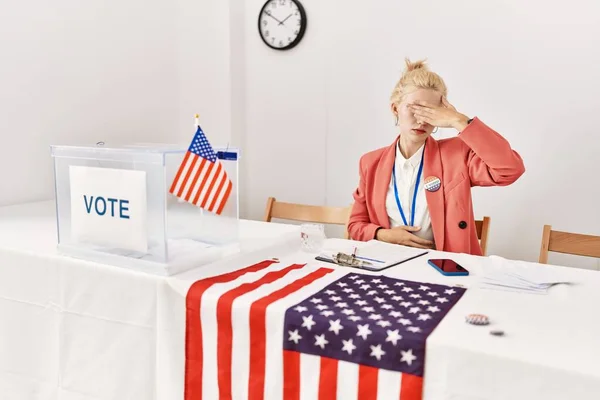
pixel 419 131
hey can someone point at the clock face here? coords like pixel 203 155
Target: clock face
pixel 281 23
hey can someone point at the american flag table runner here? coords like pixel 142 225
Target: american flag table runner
pixel 280 331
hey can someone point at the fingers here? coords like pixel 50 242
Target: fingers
pixel 410 228
pixel 420 246
pixel 421 241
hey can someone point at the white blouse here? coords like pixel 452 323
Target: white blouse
pixel 406 177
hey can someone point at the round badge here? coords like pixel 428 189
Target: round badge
pixel 432 183
pixel 477 319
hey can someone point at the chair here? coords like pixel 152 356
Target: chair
pixel 483 229
pixel 568 243
pixel 308 213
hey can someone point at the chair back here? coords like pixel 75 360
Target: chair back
pixel 568 243
pixel 483 229
pixel 307 213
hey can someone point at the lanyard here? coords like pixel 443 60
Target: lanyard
pixel 414 203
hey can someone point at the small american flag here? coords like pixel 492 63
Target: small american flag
pixel 280 331
pixel 201 178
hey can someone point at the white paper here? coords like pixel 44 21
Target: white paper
pixel 514 276
pixel 108 207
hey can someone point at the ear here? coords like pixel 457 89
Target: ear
pixel 394 108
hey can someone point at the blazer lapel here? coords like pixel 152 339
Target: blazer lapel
pixel 383 177
pixel 432 167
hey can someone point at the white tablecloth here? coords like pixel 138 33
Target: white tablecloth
pixel 80 331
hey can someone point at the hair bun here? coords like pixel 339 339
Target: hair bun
pixel 411 66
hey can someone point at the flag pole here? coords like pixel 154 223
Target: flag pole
pixel 196 122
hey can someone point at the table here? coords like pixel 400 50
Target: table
pixel 79 330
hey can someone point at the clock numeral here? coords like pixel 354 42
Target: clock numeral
pixel 282 2
pixel 273 3
pixel 297 13
pixel 264 22
pixel 267 33
pixel 273 39
pixel 296 32
pixel 280 43
pixel 289 40
pixel 299 23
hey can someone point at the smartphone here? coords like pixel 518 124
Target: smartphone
pixel 448 267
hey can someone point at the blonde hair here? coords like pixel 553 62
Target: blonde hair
pixel 417 75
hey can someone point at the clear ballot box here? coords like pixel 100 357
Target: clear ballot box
pixel 113 206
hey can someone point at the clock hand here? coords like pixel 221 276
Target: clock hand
pixel 269 14
pixel 281 23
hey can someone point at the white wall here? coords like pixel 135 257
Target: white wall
pixel 139 70
pixel 528 69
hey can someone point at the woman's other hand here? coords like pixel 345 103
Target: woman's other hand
pixel 402 235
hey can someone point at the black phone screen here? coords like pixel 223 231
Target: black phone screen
pixel 448 266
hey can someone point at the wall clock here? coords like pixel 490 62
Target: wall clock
pixel 282 23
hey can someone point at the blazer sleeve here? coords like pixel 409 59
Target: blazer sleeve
pixel 490 161
pixel 360 226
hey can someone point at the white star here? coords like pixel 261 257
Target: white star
pixel 300 308
pixel 308 322
pixel 424 302
pixel 322 307
pixel 433 309
pixel 396 314
pixel 432 294
pixel 404 321
pixel 335 298
pixel 389 292
pixel 348 290
pixel 377 352
pixel 376 281
pixel 399 284
pixel 393 336
pixel 342 284
pixel 320 341
pixel 315 300
pixel 348 346
pixel 414 310
pixel 382 286
pixel 341 305
pixel 408 357
pixel 327 313
pixel 353 277
pixel 335 326
pixel 363 331
pixel 372 293
pixel 365 287
pixel 384 324
pixel 441 300
pixel 397 298
pixel 360 302
pixel 406 304
pixel 422 287
pixel 424 317
pixel 407 289
pixel 355 318
pixel 330 292
pixel 387 306
pixel 368 309
pixel 375 316
pixel 355 296
pixel 348 311
pixel 450 291
pixel 380 300
pixel 415 296
pixel 294 336
pixel 358 282
pixel 414 329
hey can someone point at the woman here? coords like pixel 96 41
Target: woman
pixel 439 213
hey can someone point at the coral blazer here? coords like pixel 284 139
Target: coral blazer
pixel 478 156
